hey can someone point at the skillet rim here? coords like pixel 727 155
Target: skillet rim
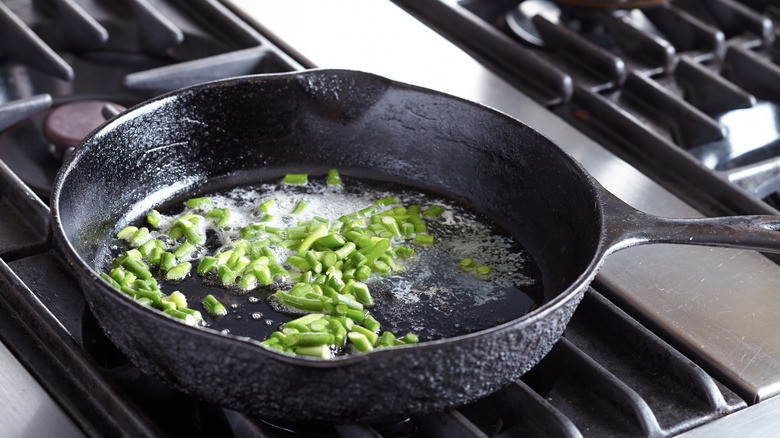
pixel 77 263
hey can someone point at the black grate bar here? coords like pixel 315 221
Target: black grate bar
pixel 18 110
pixel 24 224
pixel 654 155
pixel 753 73
pixel 709 91
pixel 690 126
pixel 732 18
pixel 607 69
pixel 19 43
pixel 157 33
pixel 62 24
pixel 448 424
pixel 652 53
pixel 532 415
pixel 241 62
pixel 687 33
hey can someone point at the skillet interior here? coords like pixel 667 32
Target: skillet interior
pixel 239 130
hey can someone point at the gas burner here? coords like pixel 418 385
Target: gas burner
pixel 66 125
pixel 534 22
pixel 34 147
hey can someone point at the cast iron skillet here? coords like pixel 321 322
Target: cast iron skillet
pixel 240 129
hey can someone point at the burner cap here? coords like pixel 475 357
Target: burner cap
pixel 68 124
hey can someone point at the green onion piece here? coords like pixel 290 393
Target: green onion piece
pixel 388 201
pixel 110 280
pixel 267 206
pixel 155 254
pixel 310 339
pixel 263 274
pixel 226 275
pixel 137 267
pixel 362 294
pixel 195 313
pixel 184 250
pixel 322 351
pixel 351 303
pixel 387 339
pixel 411 338
pixel 467 264
pixel 207 264
pixel 374 252
pixel 213 306
pixel 320 231
pixel 339 332
pixel 363 272
pixel 355 315
pixel 127 233
pixel 332 240
pixel 371 323
pixel 154 218
pixel 224 219
pixel 299 207
pixel 433 211
pixel 311 260
pixel 405 251
pixel 179 271
pixel 359 341
pixel 301 303
pixel 247 281
pixel 483 270
pixel 305 319
pixel 185 317
pixel 426 239
pixel 334 178
pixel 372 337
pixel 147 247
pixel 198 203
pixel 178 298
pixel 167 260
pixel 140 236
pixel 296 178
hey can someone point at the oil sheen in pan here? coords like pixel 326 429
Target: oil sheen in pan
pixel 431 297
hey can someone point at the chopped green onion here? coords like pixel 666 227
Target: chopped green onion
pixel 296 178
pixel 359 341
pixel 299 207
pixel 179 271
pixel 334 178
pixel 426 239
pixel 213 306
pixel 154 218
pixel 267 206
pixel 127 233
pixel 198 203
pixel 434 211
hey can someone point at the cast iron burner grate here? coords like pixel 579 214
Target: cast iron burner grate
pixel 686 91
pixel 64 53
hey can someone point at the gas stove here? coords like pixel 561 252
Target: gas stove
pixel 670 340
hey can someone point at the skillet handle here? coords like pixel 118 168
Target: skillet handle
pixel 627 227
